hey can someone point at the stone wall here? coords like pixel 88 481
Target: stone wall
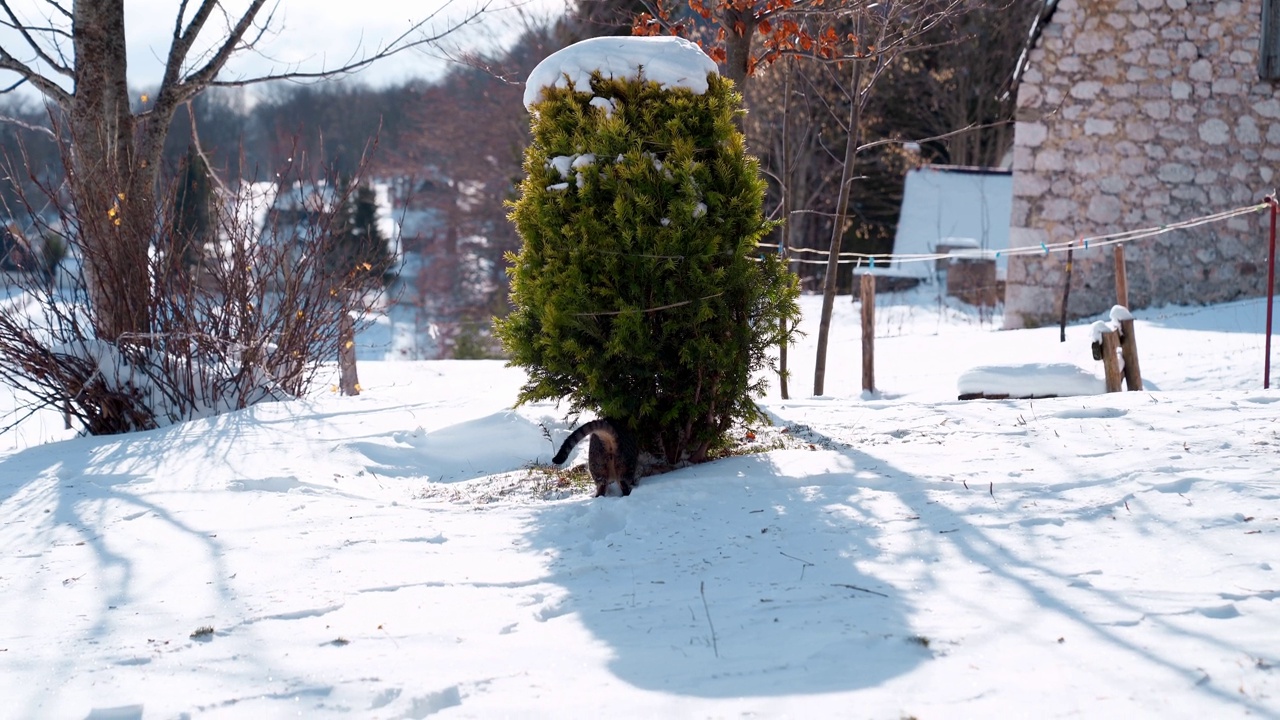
pixel 1133 114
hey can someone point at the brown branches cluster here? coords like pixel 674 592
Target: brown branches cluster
pixel 261 311
pixel 74 52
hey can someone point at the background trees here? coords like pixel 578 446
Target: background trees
pixel 144 344
pixel 450 148
pixel 115 150
pixel 849 49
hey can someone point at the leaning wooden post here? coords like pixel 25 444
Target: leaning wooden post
pixel 1111 360
pixel 1123 319
pixel 1122 279
pixel 868 332
pixel 1129 352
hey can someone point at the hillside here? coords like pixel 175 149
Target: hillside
pixel 899 554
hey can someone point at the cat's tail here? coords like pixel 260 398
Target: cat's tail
pixel 603 426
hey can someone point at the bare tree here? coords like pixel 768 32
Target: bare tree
pixel 78 62
pixel 255 319
pixel 469 161
pixel 860 38
pixel 881 33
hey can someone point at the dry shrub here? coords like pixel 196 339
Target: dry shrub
pixel 254 319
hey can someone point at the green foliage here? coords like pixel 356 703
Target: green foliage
pixel 639 291
pixel 53 250
pixel 472 343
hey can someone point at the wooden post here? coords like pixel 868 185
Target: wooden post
pixel 1111 360
pixel 868 332
pixel 1271 289
pixel 1122 279
pixel 1129 351
pixel 1066 296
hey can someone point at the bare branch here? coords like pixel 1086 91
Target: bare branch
pixel 399 45
pixel 25 71
pixel 42 83
pixel 58 6
pixel 201 78
pixel 28 126
pixel 183 39
pixel 26 31
pixel 195 142
pixel 47 29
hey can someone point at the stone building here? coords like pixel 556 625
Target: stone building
pixel 1136 114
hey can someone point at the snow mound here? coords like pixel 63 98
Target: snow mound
pixel 1030 380
pixel 671 62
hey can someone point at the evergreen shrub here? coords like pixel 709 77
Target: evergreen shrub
pixel 639 292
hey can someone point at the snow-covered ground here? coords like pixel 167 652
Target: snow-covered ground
pixel 897 554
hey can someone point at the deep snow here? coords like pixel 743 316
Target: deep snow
pixel 898 554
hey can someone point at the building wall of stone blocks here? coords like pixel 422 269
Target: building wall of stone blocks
pixel 1136 114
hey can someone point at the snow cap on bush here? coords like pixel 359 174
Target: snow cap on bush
pixel 671 62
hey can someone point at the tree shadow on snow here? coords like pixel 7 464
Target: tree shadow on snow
pixel 65 497
pixel 984 542
pixel 774 575
pixel 730 579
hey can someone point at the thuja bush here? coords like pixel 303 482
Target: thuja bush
pixel 639 292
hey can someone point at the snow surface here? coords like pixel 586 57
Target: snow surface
pixel 888 554
pixel 671 62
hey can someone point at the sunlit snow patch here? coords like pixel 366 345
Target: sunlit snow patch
pixel 605 104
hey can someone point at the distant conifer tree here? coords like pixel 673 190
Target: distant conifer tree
pixel 359 245
pixel 192 226
pixel 358 252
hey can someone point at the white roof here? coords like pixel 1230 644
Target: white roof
pixel 947 205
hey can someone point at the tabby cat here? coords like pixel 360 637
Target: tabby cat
pixel 614 454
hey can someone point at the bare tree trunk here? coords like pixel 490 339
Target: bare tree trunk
pixel 784 238
pixel 348 378
pixel 108 181
pixel 739 26
pixel 837 231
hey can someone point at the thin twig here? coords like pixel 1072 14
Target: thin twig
pixel 859 589
pixel 648 310
pixel 805 564
pixel 715 646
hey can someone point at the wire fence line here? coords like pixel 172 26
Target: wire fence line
pixel 1094 241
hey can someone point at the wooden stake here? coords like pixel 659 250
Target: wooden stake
pixel 868 333
pixel 1066 297
pixel 1111 360
pixel 1271 289
pixel 1129 351
pixel 1122 279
